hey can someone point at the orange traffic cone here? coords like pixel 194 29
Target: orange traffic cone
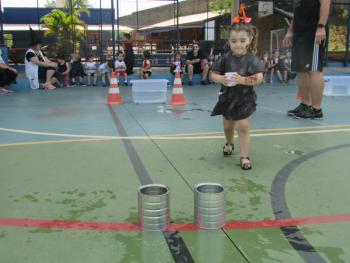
pixel 178 97
pixel 113 95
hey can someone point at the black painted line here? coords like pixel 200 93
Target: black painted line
pixel 183 178
pixel 281 210
pixel 133 155
pixel 176 244
pixel 236 246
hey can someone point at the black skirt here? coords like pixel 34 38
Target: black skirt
pixel 235 103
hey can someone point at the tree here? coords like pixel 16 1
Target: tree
pixel 220 6
pixel 66 25
pixel 50 3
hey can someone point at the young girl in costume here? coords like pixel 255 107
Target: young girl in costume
pixel 238 70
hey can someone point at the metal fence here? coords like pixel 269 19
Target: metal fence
pixel 106 28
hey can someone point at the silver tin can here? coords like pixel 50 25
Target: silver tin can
pixel 209 205
pixel 153 202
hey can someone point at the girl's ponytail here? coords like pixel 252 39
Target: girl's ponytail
pixel 253 45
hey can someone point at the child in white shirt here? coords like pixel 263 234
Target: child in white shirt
pixel 104 70
pixel 120 67
pixel 90 69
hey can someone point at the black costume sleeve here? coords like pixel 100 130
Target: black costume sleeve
pixel 256 66
pixel 219 65
pixel 30 55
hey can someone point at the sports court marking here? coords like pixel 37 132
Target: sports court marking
pixel 193 136
pixel 132 227
pixel 280 207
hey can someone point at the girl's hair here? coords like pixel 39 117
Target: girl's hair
pixel 176 54
pixel 120 53
pixel 147 54
pixel 252 32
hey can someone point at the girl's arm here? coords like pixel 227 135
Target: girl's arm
pixel 5 66
pixel 252 80
pixel 35 60
pixel 194 61
pixel 218 78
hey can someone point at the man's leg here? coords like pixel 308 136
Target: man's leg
pixel 316 89
pixel 190 71
pixel 304 84
pixel 205 70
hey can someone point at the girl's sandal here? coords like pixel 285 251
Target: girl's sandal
pixel 228 149
pixel 246 166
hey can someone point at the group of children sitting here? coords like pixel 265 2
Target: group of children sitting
pixel 279 64
pixel 72 73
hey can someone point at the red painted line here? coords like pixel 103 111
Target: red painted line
pixel 74 225
pixel 132 227
pixel 315 220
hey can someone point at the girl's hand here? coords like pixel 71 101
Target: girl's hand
pixel 238 79
pixel 224 80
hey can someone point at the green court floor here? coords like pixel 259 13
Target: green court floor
pixel 65 155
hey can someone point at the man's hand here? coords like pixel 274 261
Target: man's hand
pixel 287 41
pixel 320 35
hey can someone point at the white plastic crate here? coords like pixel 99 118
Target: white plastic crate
pixel 337 86
pixel 149 90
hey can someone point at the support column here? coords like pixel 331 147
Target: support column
pixel 234 8
pixel 347 39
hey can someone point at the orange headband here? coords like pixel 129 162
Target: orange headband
pixel 241 17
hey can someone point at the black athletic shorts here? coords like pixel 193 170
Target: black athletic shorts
pixel 306 54
pixel 196 68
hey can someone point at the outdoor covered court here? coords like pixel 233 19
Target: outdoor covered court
pixel 71 167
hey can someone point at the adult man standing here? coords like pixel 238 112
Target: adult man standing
pixel 196 63
pixel 307 34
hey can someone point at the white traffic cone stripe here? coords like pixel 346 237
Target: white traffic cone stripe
pixel 114 81
pixel 114 91
pixel 178 91
pixel 177 81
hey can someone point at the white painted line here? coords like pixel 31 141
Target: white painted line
pixel 104 138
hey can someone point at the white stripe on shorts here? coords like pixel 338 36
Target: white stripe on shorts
pixel 315 56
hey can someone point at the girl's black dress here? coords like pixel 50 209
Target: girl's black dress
pixel 237 102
